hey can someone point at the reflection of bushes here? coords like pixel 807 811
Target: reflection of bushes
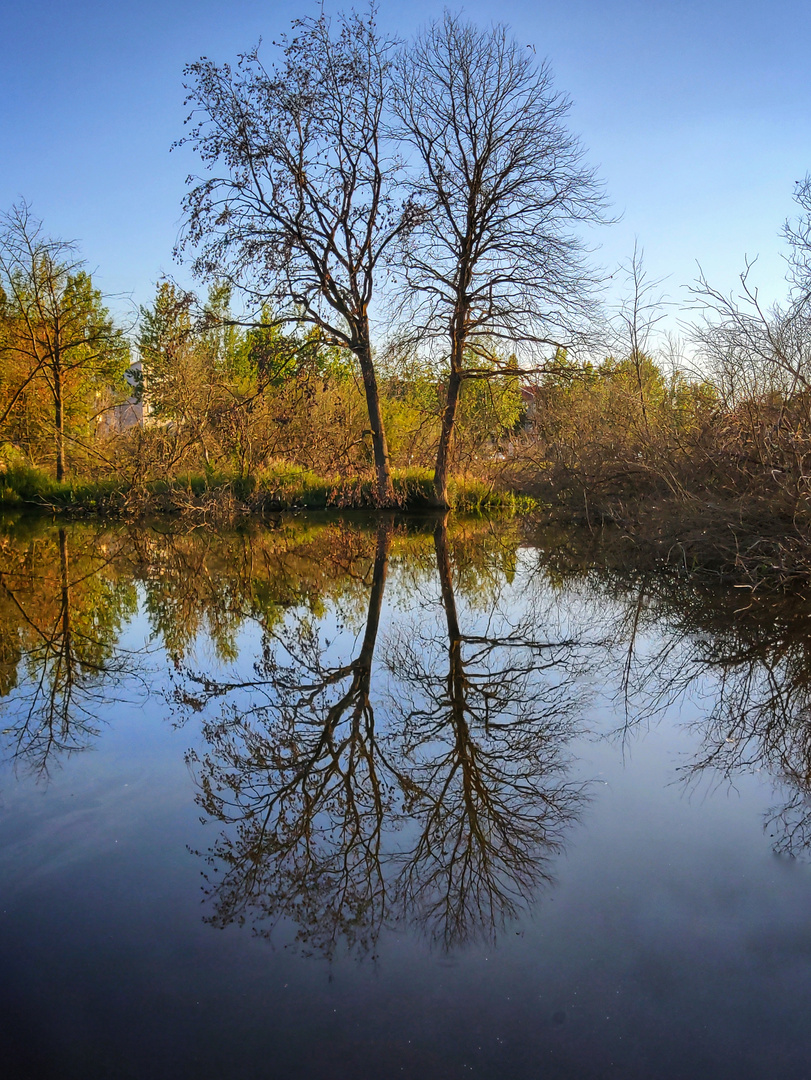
pixel 66 593
pixel 750 654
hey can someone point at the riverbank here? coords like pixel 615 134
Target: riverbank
pixel 219 498
pixel 732 540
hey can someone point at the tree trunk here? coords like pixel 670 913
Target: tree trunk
pixel 457 683
pixel 443 453
pixel 458 336
pixel 380 449
pixel 66 646
pixel 443 564
pixel 358 693
pixel 384 532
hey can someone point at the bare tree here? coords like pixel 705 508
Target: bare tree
pixel 750 349
pixel 501 184
pixel 753 350
pixel 798 234
pixel 639 313
pixel 300 205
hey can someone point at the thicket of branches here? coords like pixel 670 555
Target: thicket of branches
pixel 713 465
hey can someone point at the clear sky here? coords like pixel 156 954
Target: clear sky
pixel 697 115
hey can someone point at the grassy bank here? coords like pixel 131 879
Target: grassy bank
pixel 217 496
pixel 712 531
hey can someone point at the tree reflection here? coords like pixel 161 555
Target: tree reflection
pixel 737 662
pixel 760 718
pixel 485 731
pixel 421 776
pixel 60 619
pixel 302 776
pixel 444 815
pixel 203 585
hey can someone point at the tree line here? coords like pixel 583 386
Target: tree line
pixel 358 180
pixel 392 238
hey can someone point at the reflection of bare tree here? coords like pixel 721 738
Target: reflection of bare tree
pixel 486 744
pixel 445 815
pixel 760 714
pixel 744 661
pixel 301 775
pixel 60 618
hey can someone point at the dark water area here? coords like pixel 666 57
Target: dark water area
pixel 344 799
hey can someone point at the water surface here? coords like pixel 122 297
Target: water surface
pixel 396 798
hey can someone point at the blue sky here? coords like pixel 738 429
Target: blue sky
pixel 697 115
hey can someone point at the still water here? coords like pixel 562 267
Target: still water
pixel 344 799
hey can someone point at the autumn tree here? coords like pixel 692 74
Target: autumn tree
pixel 298 206
pixel 58 342
pixel 496 259
pixel 188 353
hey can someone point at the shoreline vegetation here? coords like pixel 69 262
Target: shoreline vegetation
pixel 753 548
pixel 220 499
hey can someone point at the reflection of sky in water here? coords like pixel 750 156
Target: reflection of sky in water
pixel 673 942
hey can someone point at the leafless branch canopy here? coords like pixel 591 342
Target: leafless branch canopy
pixel 502 185
pixel 298 206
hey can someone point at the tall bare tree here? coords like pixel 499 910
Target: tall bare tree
pixel 300 206
pixel 502 184
pixel 798 234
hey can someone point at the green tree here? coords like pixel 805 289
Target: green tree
pixel 61 355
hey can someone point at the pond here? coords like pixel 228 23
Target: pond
pixel 341 798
